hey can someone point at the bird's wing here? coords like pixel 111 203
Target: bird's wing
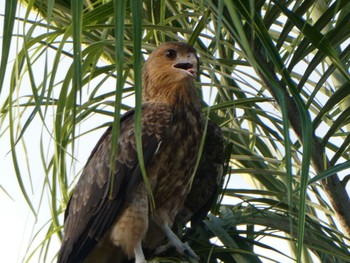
pixel 207 179
pixel 99 195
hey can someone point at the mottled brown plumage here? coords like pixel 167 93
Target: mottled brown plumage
pixel 203 194
pixel 103 225
pixel 207 180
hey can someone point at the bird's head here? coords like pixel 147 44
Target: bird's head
pixel 170 71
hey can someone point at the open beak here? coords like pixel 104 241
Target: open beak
pixel 188 67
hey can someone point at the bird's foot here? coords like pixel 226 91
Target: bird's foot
pixel 187 251
pixel 182 248
pixel 162 249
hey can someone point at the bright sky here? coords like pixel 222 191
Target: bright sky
pixel 19 225
pixel 17 221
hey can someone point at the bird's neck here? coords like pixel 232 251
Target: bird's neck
pixel 178 95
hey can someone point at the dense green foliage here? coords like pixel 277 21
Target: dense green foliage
pixel 274 75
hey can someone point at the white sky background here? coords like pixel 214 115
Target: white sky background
pixel 17 223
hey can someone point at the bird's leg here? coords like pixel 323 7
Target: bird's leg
pixel 182 248
pixel 139 256
pixel 163 248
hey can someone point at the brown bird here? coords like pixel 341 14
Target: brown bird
pixel 104 222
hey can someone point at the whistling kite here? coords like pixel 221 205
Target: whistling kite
pixel 109 223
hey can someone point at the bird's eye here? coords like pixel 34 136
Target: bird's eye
pixel 170 53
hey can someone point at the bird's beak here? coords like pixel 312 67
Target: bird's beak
pixel 188 67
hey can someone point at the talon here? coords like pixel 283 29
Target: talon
pixel 189 253
pixel 182 248
pixel 162 249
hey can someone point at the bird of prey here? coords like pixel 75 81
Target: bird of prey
pixel 110 216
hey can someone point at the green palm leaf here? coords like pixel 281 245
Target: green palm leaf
pixel 274 76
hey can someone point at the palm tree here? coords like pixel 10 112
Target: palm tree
pixel 274 76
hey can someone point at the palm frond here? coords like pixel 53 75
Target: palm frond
pixel 274 77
